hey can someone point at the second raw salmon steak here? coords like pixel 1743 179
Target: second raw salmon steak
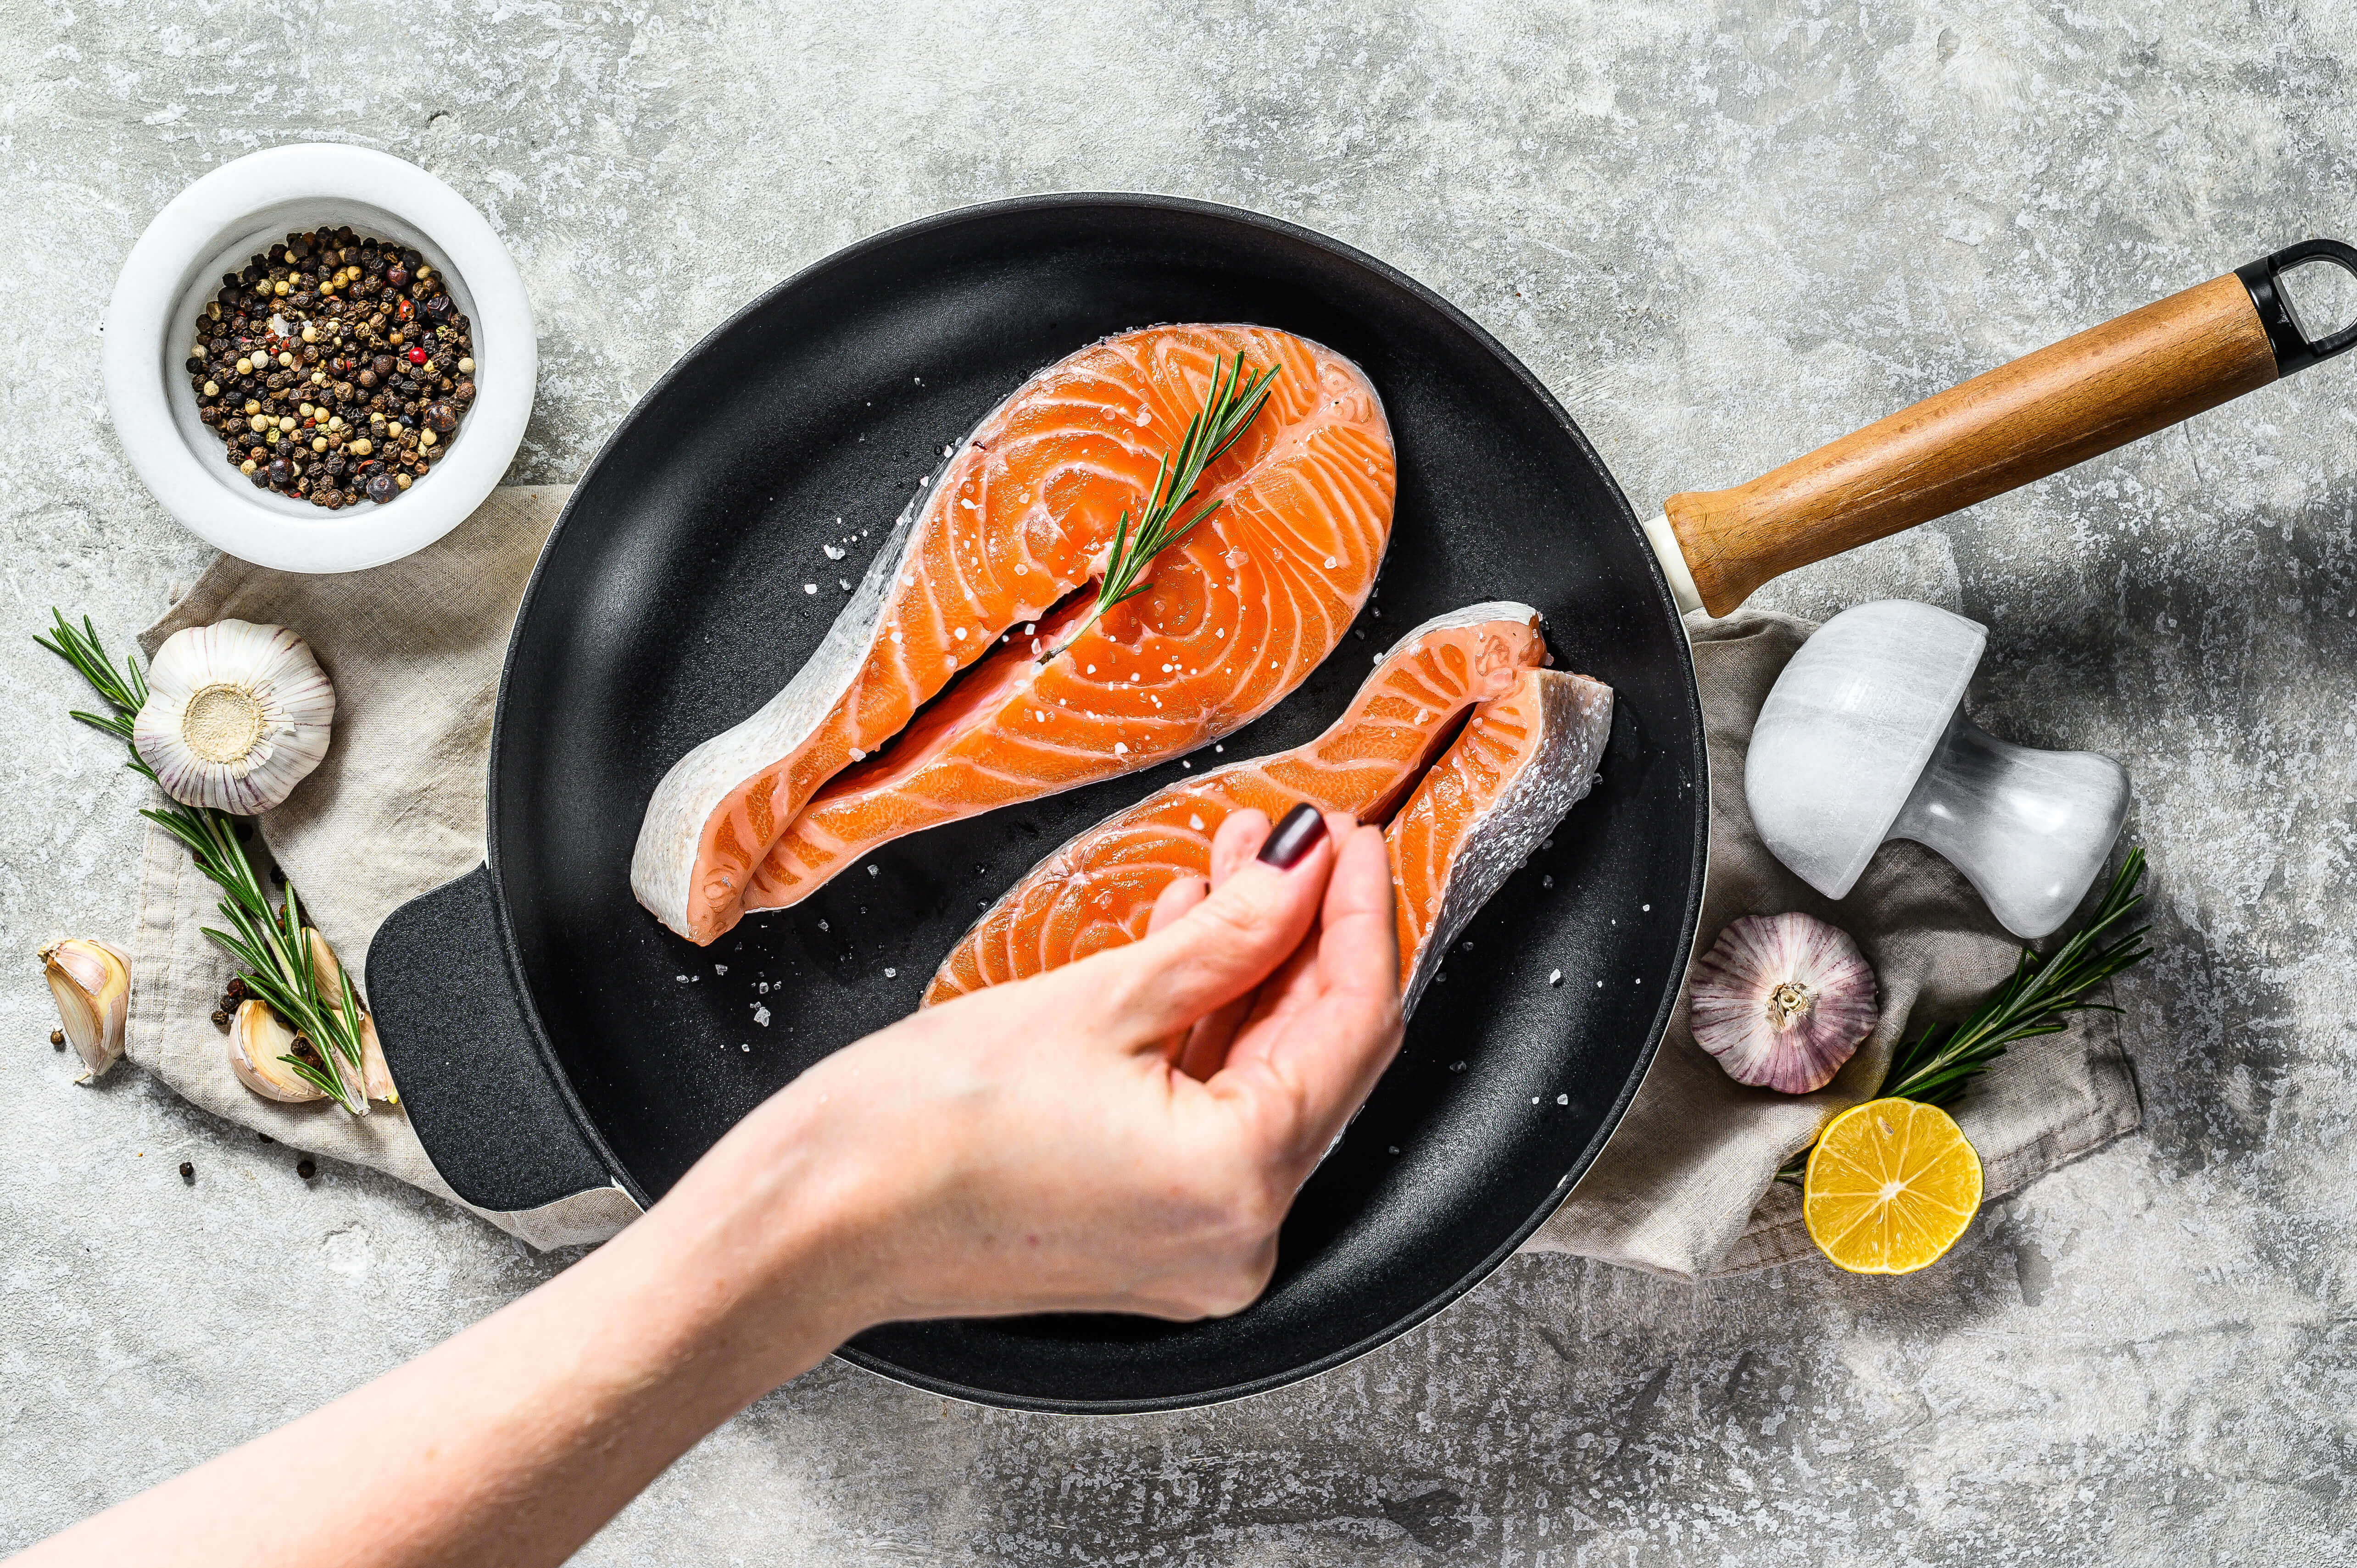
pixel 1459 742
pixel 979 577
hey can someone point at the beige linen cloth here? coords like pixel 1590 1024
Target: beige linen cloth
pixel 1686 1188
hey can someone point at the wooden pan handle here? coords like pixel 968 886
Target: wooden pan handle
pixel 2046 411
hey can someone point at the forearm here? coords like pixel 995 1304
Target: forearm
pixel 515 1441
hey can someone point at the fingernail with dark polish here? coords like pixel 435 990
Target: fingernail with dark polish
pixel 1294 837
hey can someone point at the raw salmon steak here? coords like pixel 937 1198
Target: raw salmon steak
pixel 1528 751
pixel 987 562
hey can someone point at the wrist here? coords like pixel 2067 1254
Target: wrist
pixel 770 1241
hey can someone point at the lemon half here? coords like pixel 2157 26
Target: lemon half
pixel 1891 1186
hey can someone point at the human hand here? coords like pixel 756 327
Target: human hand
pixel 1124 1133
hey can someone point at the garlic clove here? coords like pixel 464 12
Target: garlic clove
pixel 1782 1001
pixel 329 973
pixel 91 983
pixel 376 1079
pixel 257 1040
pixel 236 715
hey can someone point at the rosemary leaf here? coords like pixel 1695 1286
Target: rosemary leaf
pixel 1939 1065
pixel 1228 410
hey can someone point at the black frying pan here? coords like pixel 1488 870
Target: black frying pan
pixel 550 1036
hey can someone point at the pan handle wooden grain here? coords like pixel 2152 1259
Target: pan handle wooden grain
pixel 2084 395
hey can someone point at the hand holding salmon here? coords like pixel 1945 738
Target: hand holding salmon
pixel 979 575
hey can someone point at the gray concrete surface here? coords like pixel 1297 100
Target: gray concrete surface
pixel 1722 231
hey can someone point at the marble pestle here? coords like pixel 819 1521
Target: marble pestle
pixel 1864 739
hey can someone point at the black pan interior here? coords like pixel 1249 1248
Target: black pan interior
pixel 688 580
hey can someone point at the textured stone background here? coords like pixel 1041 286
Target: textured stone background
pixel 1722 230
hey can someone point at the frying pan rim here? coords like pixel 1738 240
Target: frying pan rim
pixel 1497 352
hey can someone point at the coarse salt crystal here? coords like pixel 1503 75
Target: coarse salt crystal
pixel 1120 748
pixel 1555 977
pixel 832 553
pixel 720 968
pixel 958 634
pixel 810 588
pixel 1332 561
pixel 871 869
pixel 1196 822
pixel 761 1015
pixel 891 974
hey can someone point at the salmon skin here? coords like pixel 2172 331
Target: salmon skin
pixel 981 570
pixel 1526 754
pixel 1523 760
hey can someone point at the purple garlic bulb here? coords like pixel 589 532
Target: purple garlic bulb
pixel 1782 1001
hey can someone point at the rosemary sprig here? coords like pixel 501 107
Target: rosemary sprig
pixel 270 945
pixel 1938 1065
pixel 1231 408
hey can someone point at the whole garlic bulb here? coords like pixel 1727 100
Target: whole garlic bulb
pixel 1782 1001
pixel 91 983
pixel 236 715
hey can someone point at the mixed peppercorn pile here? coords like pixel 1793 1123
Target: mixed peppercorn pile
pixel 334 367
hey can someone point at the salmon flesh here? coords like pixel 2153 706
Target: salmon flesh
pixel 978 579
pixel 1527 751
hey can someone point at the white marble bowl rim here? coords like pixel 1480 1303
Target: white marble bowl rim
pixel 214 227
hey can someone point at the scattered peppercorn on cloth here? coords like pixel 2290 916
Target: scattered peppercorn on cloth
pixel 1687 1185
pixel 1686 1188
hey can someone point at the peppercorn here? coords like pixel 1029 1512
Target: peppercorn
pixel 380 488
pixel 279 331
pixel 220 1018
pixel 57 1038
pixel 188 1172
pixel 305 1168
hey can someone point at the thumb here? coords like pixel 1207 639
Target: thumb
pixel 1227 944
